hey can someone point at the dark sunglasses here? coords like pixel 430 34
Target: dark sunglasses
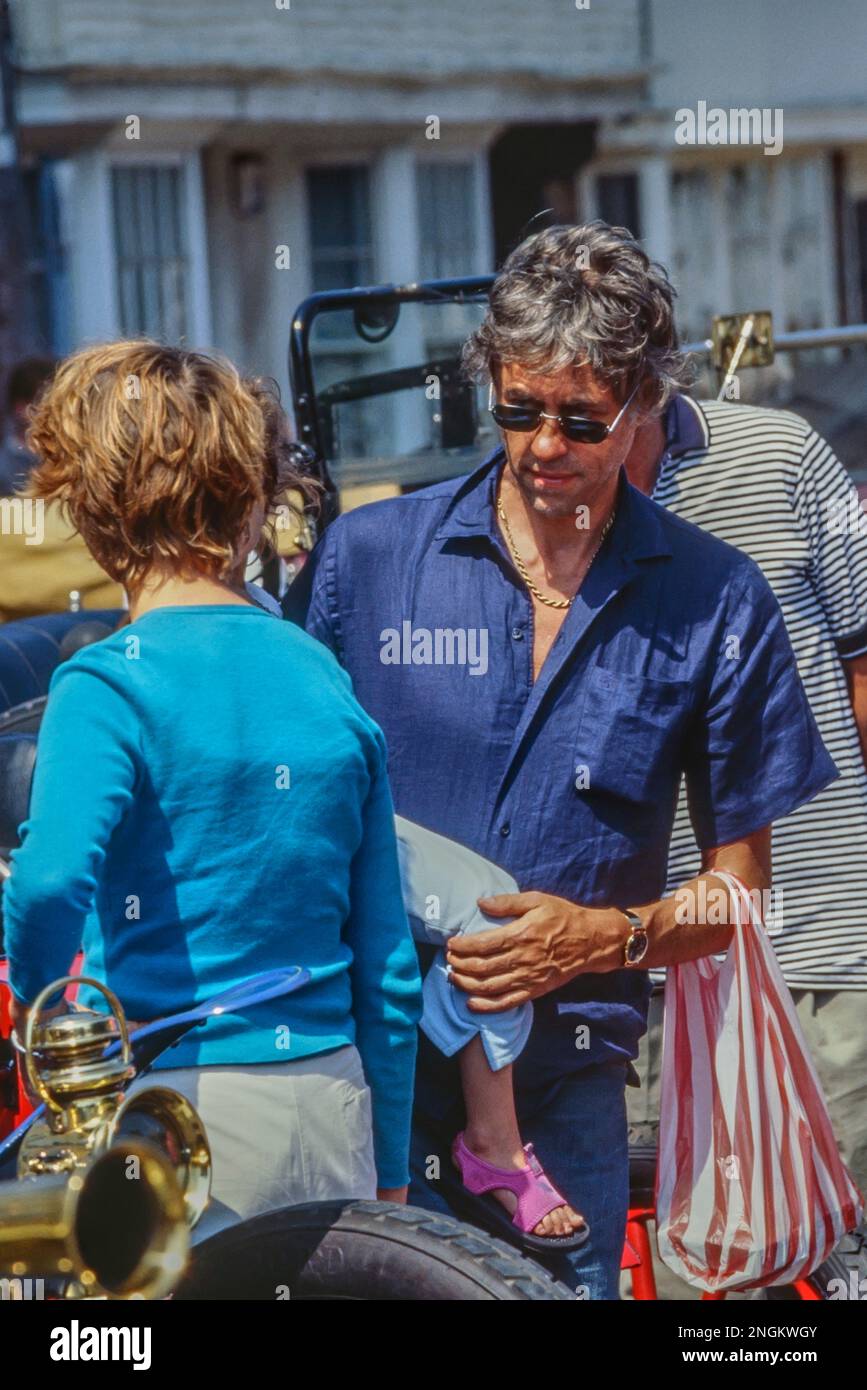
pixel 576 428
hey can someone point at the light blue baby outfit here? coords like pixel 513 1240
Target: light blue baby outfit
pixel 441 881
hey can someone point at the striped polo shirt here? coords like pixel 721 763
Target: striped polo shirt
pixel 763 480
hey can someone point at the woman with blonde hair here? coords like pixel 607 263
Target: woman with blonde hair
pixel 209 800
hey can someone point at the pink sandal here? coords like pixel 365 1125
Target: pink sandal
pixel 536 1195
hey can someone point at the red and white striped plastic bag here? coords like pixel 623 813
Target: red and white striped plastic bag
pixel 750 1186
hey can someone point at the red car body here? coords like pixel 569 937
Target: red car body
pixel 15 1104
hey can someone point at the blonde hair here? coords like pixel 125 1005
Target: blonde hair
pixel 159 456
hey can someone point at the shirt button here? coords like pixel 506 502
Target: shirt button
pixel 517 634
pixel 505 830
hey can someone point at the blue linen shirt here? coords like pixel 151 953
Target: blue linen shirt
pixel 673 660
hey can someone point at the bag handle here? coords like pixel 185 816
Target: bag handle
pixel 739 895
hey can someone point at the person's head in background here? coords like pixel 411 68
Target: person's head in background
pixel 26 380
pixel 167 462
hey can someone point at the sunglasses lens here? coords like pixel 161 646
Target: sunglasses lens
pixel 515 417
pixel 583 431
pixel 574 427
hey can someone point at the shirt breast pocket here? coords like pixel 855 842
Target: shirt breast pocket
pixel 631 734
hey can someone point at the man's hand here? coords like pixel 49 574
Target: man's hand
pixel 552 941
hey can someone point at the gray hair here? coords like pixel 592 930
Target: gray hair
pixel 570 296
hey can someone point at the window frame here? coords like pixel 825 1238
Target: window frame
pixel 196 287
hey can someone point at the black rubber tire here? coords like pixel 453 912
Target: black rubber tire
pixel 846 1263
pixel 361 1251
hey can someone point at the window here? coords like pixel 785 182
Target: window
pixel 45 267
pixel 801 200
pixel 151 250
pixel 446 200
pixel 748 227
pixel 338 201
pixel 861 226
pixel 341 245
pixel 694 248
pixel 617 201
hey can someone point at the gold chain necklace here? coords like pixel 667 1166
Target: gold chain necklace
pixel 522 568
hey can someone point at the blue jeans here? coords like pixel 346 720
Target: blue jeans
pixel 577 1125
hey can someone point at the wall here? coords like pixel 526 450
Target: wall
pixel 771 53
pixel 413 37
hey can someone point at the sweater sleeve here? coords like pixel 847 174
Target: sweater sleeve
pixel 386 984
pixel 83 782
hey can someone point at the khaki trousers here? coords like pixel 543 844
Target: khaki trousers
pixel 280 1133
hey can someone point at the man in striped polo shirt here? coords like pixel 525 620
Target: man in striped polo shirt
pixel 764 481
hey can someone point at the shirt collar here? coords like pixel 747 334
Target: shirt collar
pixel 637 532
pixel 686 427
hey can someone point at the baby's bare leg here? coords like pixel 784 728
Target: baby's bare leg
pixel 492 1130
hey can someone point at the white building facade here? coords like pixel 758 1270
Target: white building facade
pixel 213 163
pixel 742 221
pixel 197 167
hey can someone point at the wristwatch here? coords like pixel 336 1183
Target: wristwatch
pixel 637 941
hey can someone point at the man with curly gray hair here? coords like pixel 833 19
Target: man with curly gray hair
pixel 610 629
pixel 587 293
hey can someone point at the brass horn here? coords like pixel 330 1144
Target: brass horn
pixel 117 1226
pixel 86 1109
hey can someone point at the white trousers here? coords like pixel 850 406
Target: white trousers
pixel 280 1133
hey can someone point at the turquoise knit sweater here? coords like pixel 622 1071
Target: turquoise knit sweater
pixel 210 801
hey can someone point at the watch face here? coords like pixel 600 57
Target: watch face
pixel 636 947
